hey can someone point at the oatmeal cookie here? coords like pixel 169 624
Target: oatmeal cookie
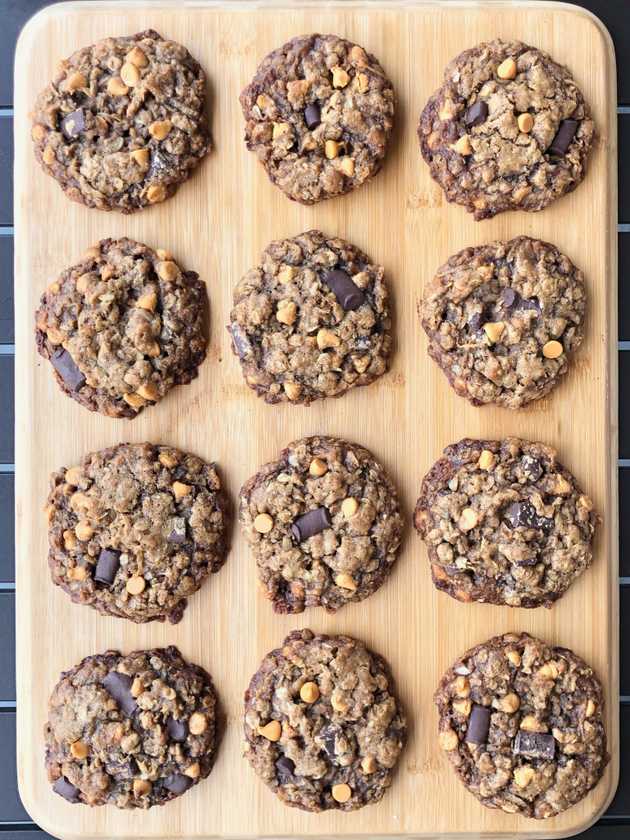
pixel 135 529
pixel 504 523
pixel 123 326
pixel 312 320
pixel 323 726
pixel 503 319
pixel 508 130
pixel 324 524
pixel 318 115
pixel 122 124
pixel 522 724
pixel 131 731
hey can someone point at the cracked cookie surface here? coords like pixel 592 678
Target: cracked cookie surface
pixel 122 124
pixel 318 115
pixel 131 731
pixel 323 726
pixel 522 724
pixel 324 524
pixel 503 319
pixel 122 327
pixel 504 523
pixel 135 529
pixel 312 320
pixel 508 130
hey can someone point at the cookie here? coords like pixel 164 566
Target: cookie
pixel 504 523
pixel 503 319
pixel 324 524
pixel 522 724
pixel 135 529
pixel 122 124
pixel 312 320
pixel 123 326
pixel 131 731
pixel 508 130
pixel 323 726
pixel 318 116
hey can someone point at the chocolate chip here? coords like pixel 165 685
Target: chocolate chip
pixel 349 296
pixel 177 729
pixel 476 114
pixel 177 530
pixel 531 467
pixel 535 745
pixel 69 792
pixel 312 116
pixel 284 770
pixel 511 301
pixel 523 514
pixel 65 366
pixel 73 124
pixel 107 566
pixel 311 523
pixel 478 725
pixel 118 687
pixel 177 783
pixel 564 135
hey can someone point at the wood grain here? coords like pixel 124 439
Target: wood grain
pixel 217 224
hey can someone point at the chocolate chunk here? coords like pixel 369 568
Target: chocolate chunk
pixel 564 135
pixel 508 297
pixel 311 523
pixel 73 124
pixel 177 729
pixel 240 341
pixel 478 725
pixel 329 737
pixel 476 114
pixel 523 514
pixel 69 792
pixel 312 116
pixel 177 530
pixel 531 467
pixel 65 366
pixel 349 296
pixel 284 770
pixel 160 165
pixel 475 322
pixel 177 783
pixel 119 687
pixel 535 745
pixel 107 566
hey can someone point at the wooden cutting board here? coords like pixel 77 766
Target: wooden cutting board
pixel 218 224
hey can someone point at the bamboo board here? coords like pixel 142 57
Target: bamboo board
pixel 217 224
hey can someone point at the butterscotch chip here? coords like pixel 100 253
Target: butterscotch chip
pixel 341 739
pixel 309 692
pixel 109 97
pixel 495 316
pixel 349 507
pixel 121 742
pixel 315 328
pixel 530 131
pixel 131 537
pixel 309 554
pixel 136 585
pixel 321 115
pixel 120 350
pixel 271 731
pixel 535 780
pixel 523 543
pixel 197 723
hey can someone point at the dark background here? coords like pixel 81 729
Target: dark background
pixel 14 821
